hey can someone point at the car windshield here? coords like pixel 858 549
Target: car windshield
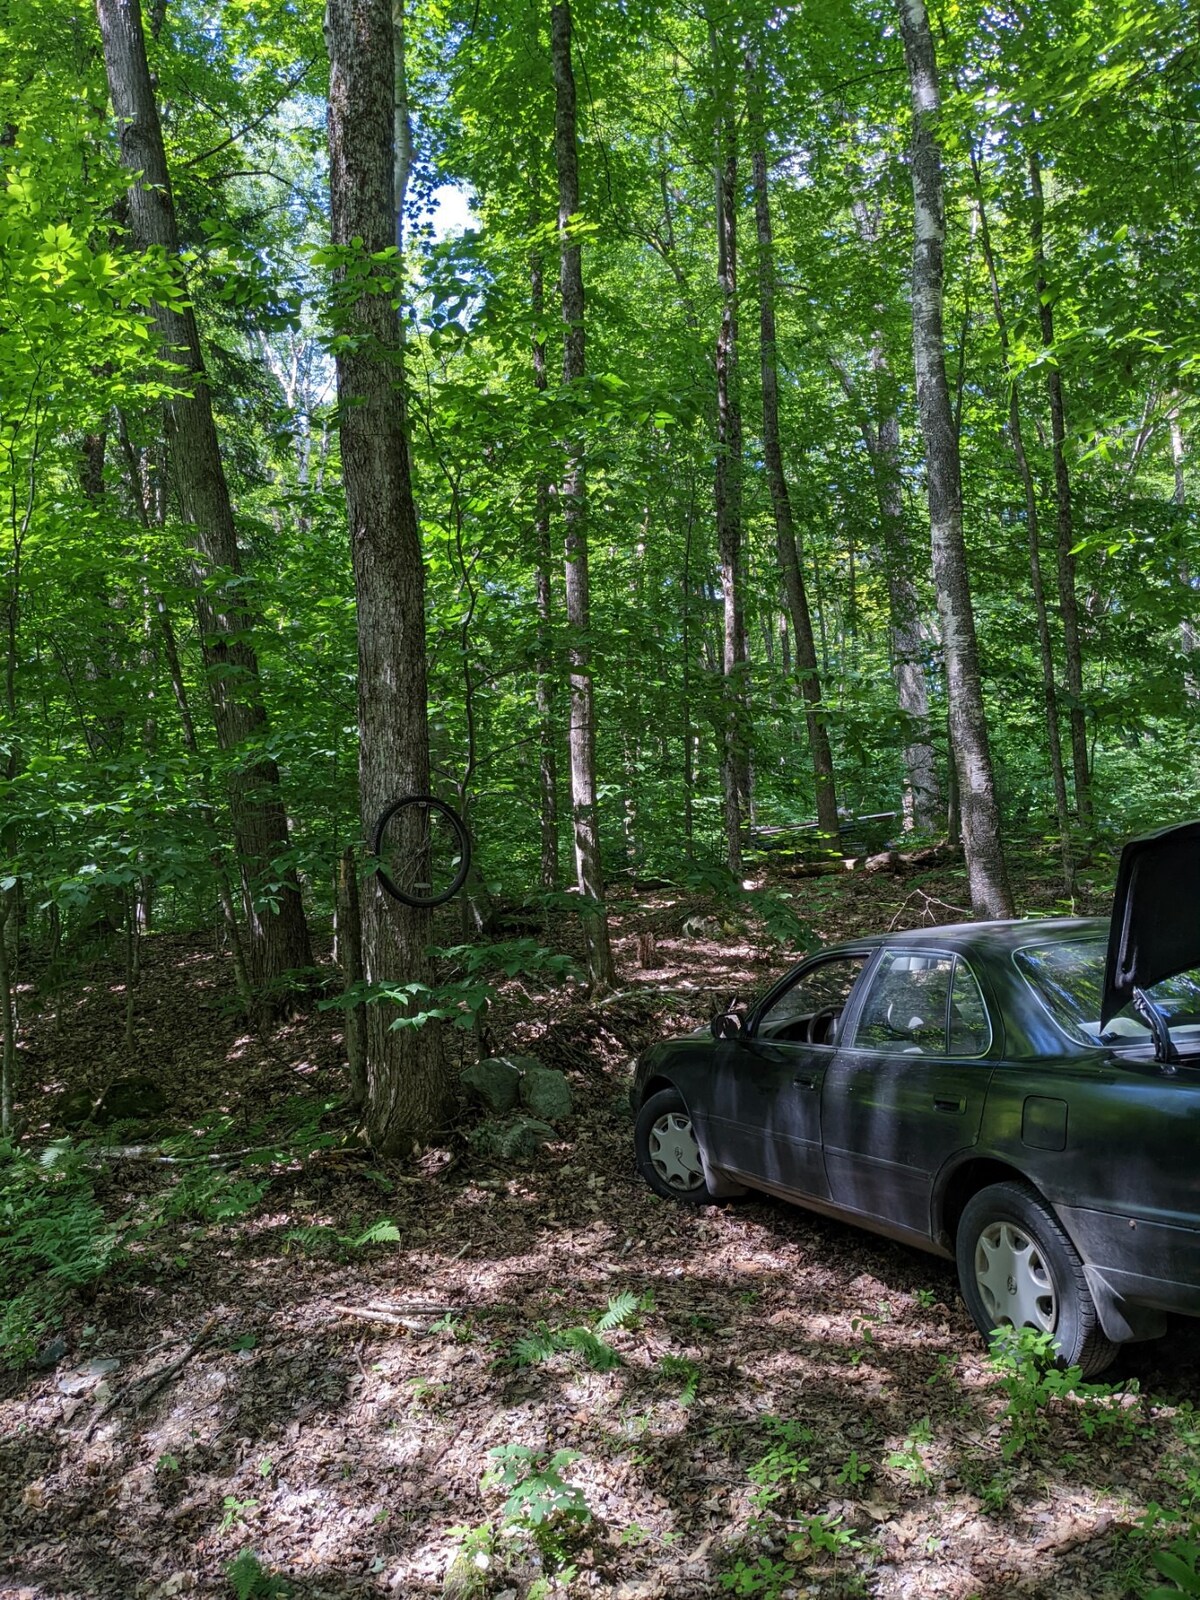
pixel 1069 980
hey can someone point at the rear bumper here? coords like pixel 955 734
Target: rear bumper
pixel 1136 1270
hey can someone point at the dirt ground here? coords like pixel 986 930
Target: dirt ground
pixel 258 1406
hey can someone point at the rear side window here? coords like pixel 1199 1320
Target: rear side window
pixel 923 1004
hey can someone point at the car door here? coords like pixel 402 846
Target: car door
pixel 907 1089
pixel 763 1119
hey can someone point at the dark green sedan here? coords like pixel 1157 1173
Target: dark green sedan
pixel 1021 1096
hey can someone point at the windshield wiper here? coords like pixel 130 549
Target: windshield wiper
pixel 1155 1019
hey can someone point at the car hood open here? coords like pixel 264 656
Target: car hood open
pixel 1155 931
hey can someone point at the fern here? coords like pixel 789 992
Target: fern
pixel 599 1356
pixel 620 1312
pixel 381 1232
pixel 53 1238
pixel 534 1347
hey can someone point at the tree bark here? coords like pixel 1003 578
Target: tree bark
pixel 1189 640
pixel 807 672
pixel 350 958
pixel 278 938
pixel 573 496
pixel 1045 646
pixel 409 1087
pixel 986 870
pixel 727 497
pixel 1065 516
pixel 544 687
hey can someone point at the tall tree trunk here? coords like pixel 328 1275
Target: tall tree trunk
pixel 986 870
pixel 727 495
pixel 141 494
pixel 807 672
pixel 1189 640
pixel 544 690
pixel 573 495
pixel 1065 517
pixel 923 803
pixel 409 1088
pixel 278 939
pixel 402 135
pixel 1016 439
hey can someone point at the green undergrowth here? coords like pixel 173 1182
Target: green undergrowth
pixel 64 1224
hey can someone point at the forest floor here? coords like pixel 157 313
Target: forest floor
pixel 792 1407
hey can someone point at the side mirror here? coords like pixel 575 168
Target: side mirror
pixel 726 1025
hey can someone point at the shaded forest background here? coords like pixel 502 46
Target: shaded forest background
pixel 738 463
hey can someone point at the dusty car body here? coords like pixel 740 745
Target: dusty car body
pixel 1023 1097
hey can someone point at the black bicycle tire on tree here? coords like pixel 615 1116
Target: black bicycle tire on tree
pixel 459 828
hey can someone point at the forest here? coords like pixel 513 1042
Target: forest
pixel 730 468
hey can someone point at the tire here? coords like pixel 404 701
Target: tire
pixel 1018 1268
pixel 668 1156
pixel 424 896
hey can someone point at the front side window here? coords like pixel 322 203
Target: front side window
pixel 810 1011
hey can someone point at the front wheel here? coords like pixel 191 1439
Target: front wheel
pixel 668 1156
pixel 1018 1269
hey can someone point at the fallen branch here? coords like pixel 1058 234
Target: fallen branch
pixel 150 1385
pixel 688 990
pixel 927 916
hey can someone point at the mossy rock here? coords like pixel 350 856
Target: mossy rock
pixel 130 1100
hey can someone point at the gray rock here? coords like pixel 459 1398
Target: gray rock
pixel 51 1353
pixel 127 1098
pixel 88 1377
pixel 546 1092
pixel 495 1083
pixel 73 1108
pixel 514 1140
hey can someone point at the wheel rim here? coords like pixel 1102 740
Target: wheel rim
pixel 1014 1279
pixel 674 1153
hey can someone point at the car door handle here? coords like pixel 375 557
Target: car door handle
pixel 956 1106
pixel 803 1082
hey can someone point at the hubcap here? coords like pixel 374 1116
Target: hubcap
pixel 674 1153
pixel 1014 1280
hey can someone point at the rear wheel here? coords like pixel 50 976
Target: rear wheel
pixel 1018 1269
pixel 668 1156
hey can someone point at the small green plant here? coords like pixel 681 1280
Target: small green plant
pixel 764 1577
pixel 473 1563
pixel 167 1463
pixel 909 1459
pixel 540 1501
pixel 1181 1564
pixel 855 1471
pixel 781 1466
pixel 1024 1362
pixel 863 1328
pixel 925 1298
pixel 235 1512
pixel 822 1533
pixel 250 1580
pixel 686 1372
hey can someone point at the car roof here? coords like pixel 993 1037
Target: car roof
pixel 988 938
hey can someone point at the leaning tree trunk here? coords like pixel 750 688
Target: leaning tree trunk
pixel 279 939
pixel 785 533
pixel 573 494
pixel 1065 516
pixel 986 870
pixel 409 1088
pixel 1045 645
